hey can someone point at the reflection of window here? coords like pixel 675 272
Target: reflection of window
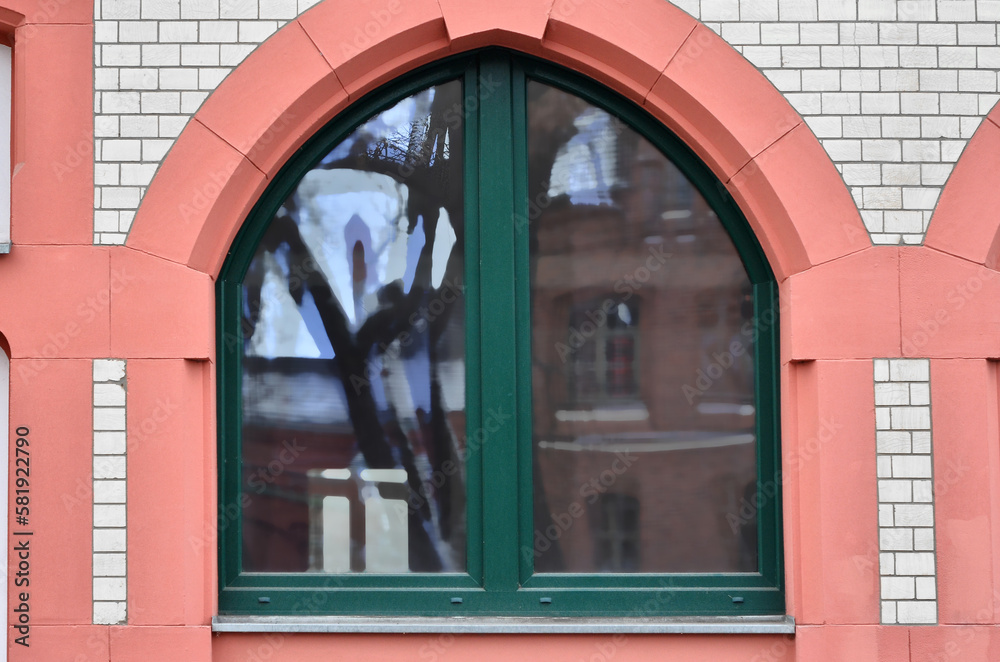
pixel 6 74
pixel 394 352
pixel 616 533
pixel 603 367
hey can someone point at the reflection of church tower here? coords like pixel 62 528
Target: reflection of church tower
pixel 359 274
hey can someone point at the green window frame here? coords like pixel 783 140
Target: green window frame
pixel 499 580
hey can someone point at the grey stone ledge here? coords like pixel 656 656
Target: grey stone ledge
pixel 507 625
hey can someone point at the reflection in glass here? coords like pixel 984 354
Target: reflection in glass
pixel 642 382
pixel 354 359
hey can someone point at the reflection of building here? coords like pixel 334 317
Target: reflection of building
pixel 634 300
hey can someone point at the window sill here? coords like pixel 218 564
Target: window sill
pixel 508 625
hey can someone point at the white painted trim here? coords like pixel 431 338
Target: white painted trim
pixel 6 76
pixel 5 444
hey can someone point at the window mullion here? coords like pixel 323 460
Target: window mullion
pixel 498 433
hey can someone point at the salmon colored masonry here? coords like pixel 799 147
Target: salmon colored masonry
pixel 64 301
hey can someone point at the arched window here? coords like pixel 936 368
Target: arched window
pixel 496 342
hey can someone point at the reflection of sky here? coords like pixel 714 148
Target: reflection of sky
pixel 335 210
pixel 585 166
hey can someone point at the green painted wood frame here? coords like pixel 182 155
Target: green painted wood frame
pixel 499 579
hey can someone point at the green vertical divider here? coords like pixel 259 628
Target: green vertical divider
pixel 496 220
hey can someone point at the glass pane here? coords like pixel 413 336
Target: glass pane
pixel 642 356
pixel 354 356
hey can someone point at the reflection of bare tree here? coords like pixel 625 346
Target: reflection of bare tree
pixel 421 159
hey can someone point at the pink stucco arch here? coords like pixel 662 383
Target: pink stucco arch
pixel 965 223
pixel 647 50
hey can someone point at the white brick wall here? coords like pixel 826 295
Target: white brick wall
pixel 905 491
pixel 155 62
pixel 883 84
pixel 110 537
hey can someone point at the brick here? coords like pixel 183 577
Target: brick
pixel 759 10
pixel 841 103
pixel 199 9
pixel 957 57
pixel 107 443
pixel 902 127
pixel 881 370
pixel 941 80
pixel 119 9
pixel 880 150
pixel 220 32
pixel 800 56
pixel 138 174
pixel 161 55
pixel 941 34
pixel 109 418
pixel 254 32
pixel 926 588
pixel 109 588
pixel 913 515
pixel 988 10
pixel 922 57
pixel 843 150
pixel 109 613
pixel 919 198
pixel 920 393
pixel 838 10
pixel 862 127
pixel 233 54
pixel 872 218
pixel 117 197
pixel 921 441
pixel 879 56
pixel 899 80
pixel 109 540
pixel 786 80
pixel 840 56
pixel 137 79
pixel 155 150
pixel 137 31
pixel 862 174
pixel 883 422
pixel 191 101
pixel 859 33
pixel 797 10
pixel 762 57
pixel 921 150
pixel 876 10
pixel 209 79
pixel 901 174
pixel 109 370
pixel 917 611
pixel 178 79
pixel 923 490
pixel 820 33
pixel 779 33
pixel 160 102
pixel 825 127
pixel 139 126
pixel 898 588
pixel 977 81
pixel 911 418
pixel 883 197
pixel 951 149
pixel 887 563
pixel 109 515
pixel 288 9
pixel 106 79
pixel 105 32
pixel 110 565
pixel 888 612
pixel 981 34
pixel 897 33
pixel 885 515
pixel 238 9
pixel 911 466
pixel 118 55
pixel 895 491
pixel 959 104
pixel 819 80
pixel 923 539
pixel 178 32
pixel 120 102
pixel 200 55
pixel 904 221
pixel 806 103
